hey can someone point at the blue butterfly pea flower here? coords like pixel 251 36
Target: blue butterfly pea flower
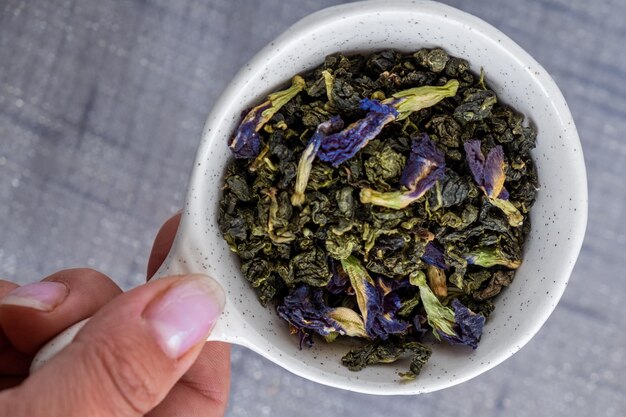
pixel 468 326
pixel 304 309
pixel 341 146
pixel 426 165
pixel 489 175
pixel 246 142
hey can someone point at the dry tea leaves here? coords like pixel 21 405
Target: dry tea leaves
pixel 383 198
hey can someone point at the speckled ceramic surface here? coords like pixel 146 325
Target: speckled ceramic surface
pixel 559 216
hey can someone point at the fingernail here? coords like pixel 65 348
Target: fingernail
pixel 185 314
pixel 42 296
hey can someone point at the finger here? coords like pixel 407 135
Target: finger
pixel 32 314
pixel 203 390
pixel 128 356
pixel 162 244
pixel 12 362
pixel 6 287
pixel 10 382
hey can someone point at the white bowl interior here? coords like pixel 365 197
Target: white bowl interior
pixel 558 218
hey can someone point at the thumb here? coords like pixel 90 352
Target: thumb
pixel 129 355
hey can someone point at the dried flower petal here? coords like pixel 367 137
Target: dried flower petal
pixel 489 175
pixel 343 145
pixel 306 312
pixel 424 160
pixel 492 256
pixel 414 99
pixel 440 317
pixel 425 166
pixel 379 322
pixel 306 160
pixel 512 213
pixel 494 172
pixel 246 142
pixel 386 322
pixel 347 322
pixel 339 283
pixel 475 160
pixel 468 326
pixel 364 289
pixel 433 255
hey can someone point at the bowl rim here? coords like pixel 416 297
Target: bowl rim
pixel 332 16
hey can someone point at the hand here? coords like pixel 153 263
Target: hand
pixel 143 352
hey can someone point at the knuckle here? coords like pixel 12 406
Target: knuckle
pixel 88 274
pixel 77 274
pixel 87 284
pixel 125 378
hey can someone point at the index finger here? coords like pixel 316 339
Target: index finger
pixel 12 362
pixel 162 244
pixel 33 314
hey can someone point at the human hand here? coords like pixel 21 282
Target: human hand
pixel 142 353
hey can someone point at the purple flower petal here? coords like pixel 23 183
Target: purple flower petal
pixel 475 160
pixel 418 325
pixel 306 160
pixel 433 255
pixel 246 142
pixel 304 309
pixel 490 176
pixel 494 177
pixel 468 326
pixel 426 165
pixel 504 194
pixel 378 305
pixel 385 322
pixel 374 306
pixel 339 282
pixel 341 146
pixel 488 173
pixel 423 160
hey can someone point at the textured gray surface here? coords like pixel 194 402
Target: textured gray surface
pixel 102 104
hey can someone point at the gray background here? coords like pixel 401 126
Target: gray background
pixel 102 103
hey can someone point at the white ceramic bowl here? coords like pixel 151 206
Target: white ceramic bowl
pixel 558 218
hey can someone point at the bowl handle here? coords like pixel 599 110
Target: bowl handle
pixel 178 262
pixel 54 346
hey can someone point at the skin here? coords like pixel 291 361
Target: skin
pixel 90 377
